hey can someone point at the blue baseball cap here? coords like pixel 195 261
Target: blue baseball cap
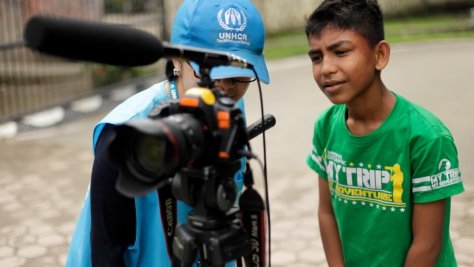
pixel 229 26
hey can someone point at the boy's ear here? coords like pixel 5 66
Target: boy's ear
pixel 382 55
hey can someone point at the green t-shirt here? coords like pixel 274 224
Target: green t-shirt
pixel 375 179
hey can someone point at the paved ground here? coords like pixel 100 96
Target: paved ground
pixel 44 173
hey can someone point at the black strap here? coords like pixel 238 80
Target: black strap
pixel 169 211
pixel 252 209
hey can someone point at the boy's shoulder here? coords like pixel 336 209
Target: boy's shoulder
pixel 413 118
pixel 137 103
pixel 421 120
pixel 136 106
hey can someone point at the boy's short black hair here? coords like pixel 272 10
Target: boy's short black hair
pixel 361 16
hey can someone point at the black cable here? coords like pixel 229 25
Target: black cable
pixel 265 177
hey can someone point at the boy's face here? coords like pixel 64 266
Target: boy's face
pixel 344 65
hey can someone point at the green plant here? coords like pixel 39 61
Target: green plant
pixel 407 29
pixel 113 6
pixel 103 75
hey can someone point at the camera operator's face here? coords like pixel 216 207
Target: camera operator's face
pixel 189 77
pixel 234 87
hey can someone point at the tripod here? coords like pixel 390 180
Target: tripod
pixel 214 234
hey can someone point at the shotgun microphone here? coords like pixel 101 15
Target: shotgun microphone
pixel 112 44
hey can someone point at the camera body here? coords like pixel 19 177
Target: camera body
pixel 191 139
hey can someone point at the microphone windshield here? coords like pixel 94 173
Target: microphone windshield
pixel 106 43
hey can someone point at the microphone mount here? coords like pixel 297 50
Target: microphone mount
pixel 206 56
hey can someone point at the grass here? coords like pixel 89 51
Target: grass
pixel 413 29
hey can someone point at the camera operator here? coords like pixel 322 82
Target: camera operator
pixel 114 230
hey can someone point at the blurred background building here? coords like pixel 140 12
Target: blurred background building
pixel 30 82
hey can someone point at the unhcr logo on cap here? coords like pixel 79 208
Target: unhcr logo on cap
pixel 234 22
pixel 232 19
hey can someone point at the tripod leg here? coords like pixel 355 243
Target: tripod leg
pixel 184 247
pixel 239 262
pixel 175 262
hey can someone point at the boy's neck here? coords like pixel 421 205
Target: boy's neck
pixel 365 116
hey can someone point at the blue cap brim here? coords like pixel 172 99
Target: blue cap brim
pixel 257 61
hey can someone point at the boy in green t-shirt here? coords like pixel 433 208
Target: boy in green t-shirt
pixel 387 167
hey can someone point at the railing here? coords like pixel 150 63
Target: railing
pixel 30 82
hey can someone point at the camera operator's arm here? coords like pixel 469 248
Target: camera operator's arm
pixel 112 214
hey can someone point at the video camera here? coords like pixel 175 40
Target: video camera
pixel 195 145
pixel 204 128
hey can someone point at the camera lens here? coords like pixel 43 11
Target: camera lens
pixel 150 154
